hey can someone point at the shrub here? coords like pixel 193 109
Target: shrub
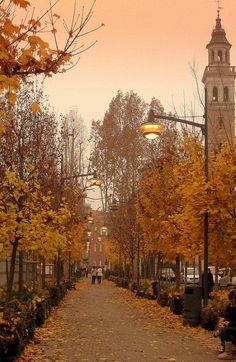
pixel 42 311
pixel 209 318
pixel 17 327
pixel 134 287
pixel 20 316
pixel 176 303
pixel 163 299
pixel 56 294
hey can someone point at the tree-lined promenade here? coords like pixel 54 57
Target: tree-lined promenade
pixel 106 323
pixel 158 188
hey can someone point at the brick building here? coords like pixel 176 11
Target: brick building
pixel 95 240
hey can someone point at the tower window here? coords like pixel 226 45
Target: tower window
pixel 215 94
pixel 226 57
pixel 226 94
pixel 212 56
pixel 219 57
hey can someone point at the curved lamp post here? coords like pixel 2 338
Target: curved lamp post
pixel 94 181
pixel 151 130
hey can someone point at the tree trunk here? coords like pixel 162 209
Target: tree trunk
pixel 216 287
pixel 34 270
pixel 12 269
pixel 158 275
pixel 21 271
pixel 7 271
pixel 59 267
pixel 43 273
pixel 138 262
pixel 177 272
pixel 200 270
pixel 69 265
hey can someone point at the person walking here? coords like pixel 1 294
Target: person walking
pixel 94 274
pixel 210 283
pixel 99 275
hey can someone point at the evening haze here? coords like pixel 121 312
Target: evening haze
pixel 146 46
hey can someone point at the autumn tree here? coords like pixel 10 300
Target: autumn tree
pixel 222 207
pixel 24 50
pixel 118 150
pixel 118 154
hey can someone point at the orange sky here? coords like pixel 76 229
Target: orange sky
pixel 145 46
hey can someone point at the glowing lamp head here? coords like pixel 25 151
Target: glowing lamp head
pixel 150 130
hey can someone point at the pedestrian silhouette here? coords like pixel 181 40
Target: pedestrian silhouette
pixel 94 274
pixel 99 275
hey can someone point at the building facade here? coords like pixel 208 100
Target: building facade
pixel 95 240
pixel 219 80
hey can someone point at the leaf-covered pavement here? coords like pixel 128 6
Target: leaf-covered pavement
pixel 106 323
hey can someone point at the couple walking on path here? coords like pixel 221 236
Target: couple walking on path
pixel 96 274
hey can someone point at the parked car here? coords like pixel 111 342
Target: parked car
pixel 192 275
pixel 228 277
pixel 167 274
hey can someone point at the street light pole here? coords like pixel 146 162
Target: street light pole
pixel 206 221
pixel 152 130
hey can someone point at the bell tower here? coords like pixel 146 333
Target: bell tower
pixel 219 80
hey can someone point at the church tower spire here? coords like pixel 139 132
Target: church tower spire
pixel 219 80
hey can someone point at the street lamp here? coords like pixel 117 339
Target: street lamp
pixel 104 230
pixel 94 181
pixel 150 130
pixel 90 218
pixel 114 206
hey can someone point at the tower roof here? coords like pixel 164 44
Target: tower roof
pixel 218 35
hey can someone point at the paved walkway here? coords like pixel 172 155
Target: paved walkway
pixel 106 323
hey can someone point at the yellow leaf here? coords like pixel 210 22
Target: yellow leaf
pixel 9 28
pixel 11 97
pixel 35 107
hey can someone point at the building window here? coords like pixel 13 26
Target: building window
pixel 220 123
pixel 95 247
pixel 100 247
pixel 215 94
pixel 212 56
pixel 219 58
pixel 226 57
pixel 226 94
